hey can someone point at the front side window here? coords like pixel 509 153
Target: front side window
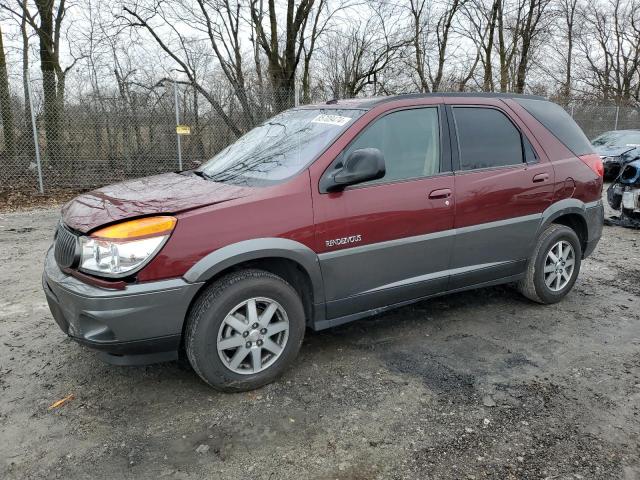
pixel 409 141
pixel 279 148
pixel 486 138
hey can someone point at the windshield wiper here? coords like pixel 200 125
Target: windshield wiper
pixel 201 174
pixel 218 177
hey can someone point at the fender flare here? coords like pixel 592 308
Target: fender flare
pixel 563 207
pixel 230 255
pixel 572 206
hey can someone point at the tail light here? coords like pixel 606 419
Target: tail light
pixel 594 162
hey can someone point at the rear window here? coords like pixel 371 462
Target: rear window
pixel 558 122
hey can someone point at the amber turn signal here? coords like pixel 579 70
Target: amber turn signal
pixel 139 228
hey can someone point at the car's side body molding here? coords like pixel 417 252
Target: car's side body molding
pixel 337 310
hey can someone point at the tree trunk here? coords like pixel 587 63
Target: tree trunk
pixel 570 10
pixel 416 12
pixel 567 81
pixel 502 49
pixel 282 65
pixel 50 87
pixel 283 83
pixel 8 126
pixel 306 82
pixel 442 50
pixel 28 128
pixel 487 83
pixel 124 124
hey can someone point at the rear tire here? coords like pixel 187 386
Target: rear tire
pixel 244 330
pixel 554 266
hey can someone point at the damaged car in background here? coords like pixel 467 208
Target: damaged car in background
pixel 616 149
pixel 624 195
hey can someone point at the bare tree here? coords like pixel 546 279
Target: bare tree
pixel 508 37
pixel 488 47
pixel 356 57
pixel 320 22
pixel 480 26
pixel 419 11
pixel 24 34
pixel 5 106
pixel 519 27
pixel 47 22
pixel 532 26
pixel 220 22
pixel 568 10
pixel 443 31
pixel 427 36
pixel 613 57
pixel 282 60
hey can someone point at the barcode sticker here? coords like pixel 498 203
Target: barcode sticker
pixel 331 119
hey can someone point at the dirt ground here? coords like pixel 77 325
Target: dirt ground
pixel 483 384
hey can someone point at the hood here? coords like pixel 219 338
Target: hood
pixel 612 150
pixel 166 193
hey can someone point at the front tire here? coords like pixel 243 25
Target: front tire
pixel 553 269
pixel 245 330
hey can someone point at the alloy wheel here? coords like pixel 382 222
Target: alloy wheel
pixel 253 335
pixel 559 265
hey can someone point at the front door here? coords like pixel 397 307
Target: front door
pixel 387 241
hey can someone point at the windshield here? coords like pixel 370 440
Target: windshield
pixel 618 139
pixel 279 148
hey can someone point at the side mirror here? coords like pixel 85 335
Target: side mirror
pixel 360 166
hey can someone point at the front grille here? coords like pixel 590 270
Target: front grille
pixel 66 247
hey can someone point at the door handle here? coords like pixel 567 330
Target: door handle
pixel 540 177
pixel 440 193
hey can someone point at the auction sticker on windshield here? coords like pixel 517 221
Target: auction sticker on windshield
pixel 331 119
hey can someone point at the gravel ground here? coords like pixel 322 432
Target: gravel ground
pixel 482 384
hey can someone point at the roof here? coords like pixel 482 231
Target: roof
pixel 371 102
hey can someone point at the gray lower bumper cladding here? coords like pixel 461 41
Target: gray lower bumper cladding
pixel 141 324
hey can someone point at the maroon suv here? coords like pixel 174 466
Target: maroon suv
pixel 323 215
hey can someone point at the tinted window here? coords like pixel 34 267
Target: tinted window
pixel 279 148
pixel 409 141
pixel 558 122
pixel 486 138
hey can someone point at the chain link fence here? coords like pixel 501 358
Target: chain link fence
pixel 103 139
pixel 595 119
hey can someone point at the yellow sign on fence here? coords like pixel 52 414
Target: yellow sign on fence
pixel 183 129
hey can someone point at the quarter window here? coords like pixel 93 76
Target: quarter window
pixel 558 122
pixel 486 138
pixel 409 141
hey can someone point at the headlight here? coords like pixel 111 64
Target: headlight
pixel 124 248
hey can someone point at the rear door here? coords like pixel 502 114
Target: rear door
pixel 388 241
pixel 503 183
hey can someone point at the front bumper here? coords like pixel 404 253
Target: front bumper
pixel 140 324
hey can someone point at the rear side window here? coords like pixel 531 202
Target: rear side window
pixel 558 122
pixel 486 138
